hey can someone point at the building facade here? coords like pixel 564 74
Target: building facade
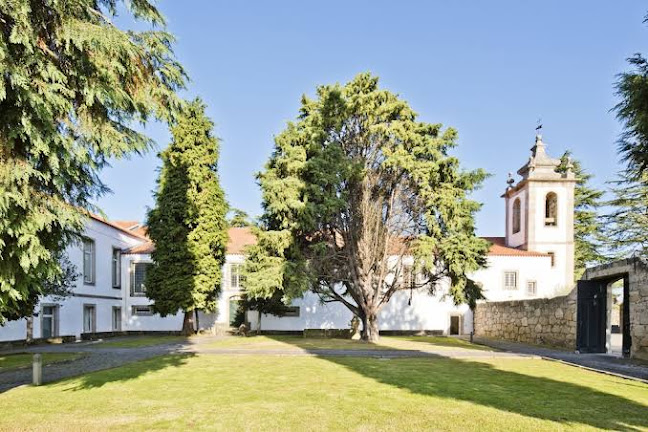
pixel 534 259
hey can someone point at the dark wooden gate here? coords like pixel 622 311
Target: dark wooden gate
pixel 591 316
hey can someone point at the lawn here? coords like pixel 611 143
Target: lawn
pixel 285 342
pixel 19 360
pixel 141 341
pixel 264 392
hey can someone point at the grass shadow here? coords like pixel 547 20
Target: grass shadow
pixel 128 372
pixel 554 398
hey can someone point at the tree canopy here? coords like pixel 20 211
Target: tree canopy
pixel 73 87
pixel 239 218
pixel 188 224
pixel 589 241
pixel 626 225
pixel 355 186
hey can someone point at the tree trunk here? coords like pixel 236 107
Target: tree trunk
pixel 29 337
pixel 370 332
pixel 188 324
pixel 258 331
pixel 197 322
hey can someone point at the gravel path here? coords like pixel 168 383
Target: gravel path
pixel 599 362
pixel 95 359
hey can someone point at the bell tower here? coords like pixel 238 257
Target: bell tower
pixel 540 211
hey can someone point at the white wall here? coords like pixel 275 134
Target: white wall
pixel 519 238
pixel 424 313
pixel 153 322
pixel 100 293
pixel 536 269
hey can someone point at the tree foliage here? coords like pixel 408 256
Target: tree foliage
pixel 353 187
pixel 239 219
pixel 626 224
pixel 632 110
pixel 72 87
pixel 188 224
pixel 588 226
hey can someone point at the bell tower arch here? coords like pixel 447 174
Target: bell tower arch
pixel 540 210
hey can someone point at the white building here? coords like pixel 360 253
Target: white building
pixel 534 259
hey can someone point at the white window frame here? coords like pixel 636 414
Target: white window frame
pixel 119 320
pixel 535 288
pixel 134 293
pixel 505 280
pixel 235 276
pixel 93 307
pixel 54 316
pixel 408 277
pixel 292 312
pixel 138 310
pixel 89 253
pixel 115 267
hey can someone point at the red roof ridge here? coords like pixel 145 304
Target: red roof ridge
pixel 117 227
pixel 499 248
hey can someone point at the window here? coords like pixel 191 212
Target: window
pixel 408 276
pixel 516 216
pixel 142 310
pixel 532 288
pixel 510 280
pixel 88 261
pixel 116 318
pixel 49 321
pixel 292 311
pixel 551 209
pixel 116 268
pixel 236 278
pixel 89 319
pixel 138 276
pixel 553 258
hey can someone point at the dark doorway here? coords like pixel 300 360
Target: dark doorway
pixel 625 317
pixel 454 325
pixel 591 316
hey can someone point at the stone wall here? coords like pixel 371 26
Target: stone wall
pixel 539 321
pixel 553 321
pixel 637 271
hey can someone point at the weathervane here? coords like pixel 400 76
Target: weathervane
pixel 539 126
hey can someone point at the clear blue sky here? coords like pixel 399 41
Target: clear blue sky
pixel 488 69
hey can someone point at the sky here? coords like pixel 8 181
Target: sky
pixel 488 69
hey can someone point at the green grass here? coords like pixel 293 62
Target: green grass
pixel 285 342
pixel 141 341
pixel 265 392
pixel 13 361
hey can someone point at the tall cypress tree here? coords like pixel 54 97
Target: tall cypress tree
pixel 588 226
pixel 72 85
pixel 354 185
pixel 188 224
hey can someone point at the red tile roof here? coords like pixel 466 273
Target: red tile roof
pixel 499 248
pixel 132 233
pixel 239 239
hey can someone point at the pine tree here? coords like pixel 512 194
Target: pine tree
pixel 352 187
pixel 188 224
pixel 72 87
pixel 632 110
pixel 626 230
pixel 588 226
pixel 240 219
